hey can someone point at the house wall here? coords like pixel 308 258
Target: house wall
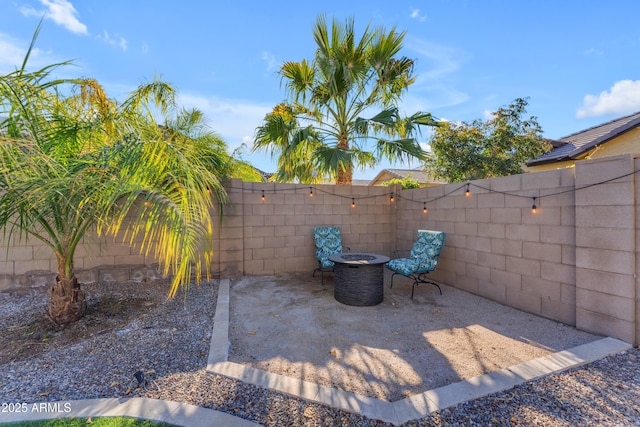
pixel 628 142
pixel 575 260
pixel 383 176
pixel 549 166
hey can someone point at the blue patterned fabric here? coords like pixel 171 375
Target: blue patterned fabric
pixel 424 254
pixel 328 241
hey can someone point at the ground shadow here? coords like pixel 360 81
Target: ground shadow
pixel 292 325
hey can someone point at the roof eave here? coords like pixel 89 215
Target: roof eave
pixel 548 161
pixel 605 138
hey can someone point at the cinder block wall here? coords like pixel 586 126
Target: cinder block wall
pixel 608 289
pixel 28 265
pixel 496 246
pixel 574 260
pixel 275 235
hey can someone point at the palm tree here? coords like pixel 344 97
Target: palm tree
pixel 73 160
pixel 329 97
pixel 293 147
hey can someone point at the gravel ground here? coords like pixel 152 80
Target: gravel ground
pixel 169 341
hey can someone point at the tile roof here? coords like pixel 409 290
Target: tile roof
pixel 576 144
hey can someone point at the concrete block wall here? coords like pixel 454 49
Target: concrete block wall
pixel 275 235
pixel 575 260
pixel 607 227
pixel 496 246
pixel 29 266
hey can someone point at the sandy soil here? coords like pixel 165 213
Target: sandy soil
pixel 292 325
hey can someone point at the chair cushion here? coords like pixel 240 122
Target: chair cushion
pixel 424 254
pixel 404 266
pixel 328 241
pixel 426 249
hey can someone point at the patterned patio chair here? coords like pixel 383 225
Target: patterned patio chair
pixel 328 241
pixel 423 259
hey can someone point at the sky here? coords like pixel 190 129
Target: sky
pixel 577 61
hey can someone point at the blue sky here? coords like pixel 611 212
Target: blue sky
pixel 577 61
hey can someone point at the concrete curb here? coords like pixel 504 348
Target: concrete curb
pixel 408 409
pixel 176 413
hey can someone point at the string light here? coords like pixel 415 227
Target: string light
pixel 534 206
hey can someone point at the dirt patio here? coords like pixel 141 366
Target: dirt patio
pixel 292 325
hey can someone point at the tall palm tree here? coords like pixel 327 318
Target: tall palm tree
pixel 329 98
pixel 73 160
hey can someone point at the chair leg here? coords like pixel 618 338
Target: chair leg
pixel 321 274
pixel 420 279
pixel 391 284
pixel 430 282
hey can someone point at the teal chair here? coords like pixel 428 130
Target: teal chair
pixel 423 259
pixel 328 241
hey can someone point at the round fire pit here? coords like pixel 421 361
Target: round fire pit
pixel 359 278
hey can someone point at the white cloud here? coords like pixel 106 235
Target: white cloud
pixel 435 60
pixel 234 120
pixel 270 59
pixel 116 40
pixel 431 98
pixel 12 54
pixel 415 14
pixel 61 12
pixel 622 98
pixel 434 64
pixel 594 52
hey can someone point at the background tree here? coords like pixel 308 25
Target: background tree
pixel 73 161
pixel 343 99
pixel 292 147
pixel 407 182
pixel 497 147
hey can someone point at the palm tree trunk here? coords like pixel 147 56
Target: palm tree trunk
pixel 66 300
pixel 345 175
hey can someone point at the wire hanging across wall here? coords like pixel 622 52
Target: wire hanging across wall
pixel 392 195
